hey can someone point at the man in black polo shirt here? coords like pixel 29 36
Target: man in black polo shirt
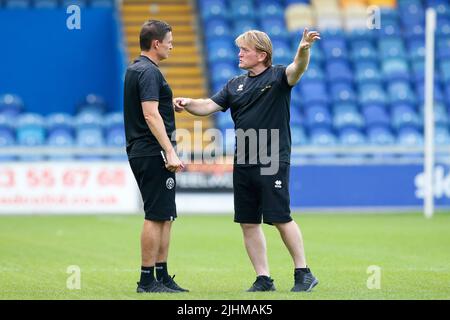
pixel 259 102
pixel 149 124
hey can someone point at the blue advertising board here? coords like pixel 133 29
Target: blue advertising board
pixel 320 186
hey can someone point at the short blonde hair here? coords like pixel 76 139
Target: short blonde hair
pixel 259 40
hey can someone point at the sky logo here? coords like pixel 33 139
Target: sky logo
pixel 441 184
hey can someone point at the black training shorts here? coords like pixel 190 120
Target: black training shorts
pixel 261 197
pixel 157 186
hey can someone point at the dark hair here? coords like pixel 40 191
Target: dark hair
pixel 152 30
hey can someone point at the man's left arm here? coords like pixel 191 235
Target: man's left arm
pixel 295 70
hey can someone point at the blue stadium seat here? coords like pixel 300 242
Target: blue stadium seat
pixel 314 73
pixel 395 69
pixel 241 26
pixel 400 92
pixel 371 93
pixel 351 137
pixel 391 47
pixel 59 121
pixel 89 137
pixel 415 32
pixel 217 28
pixel 367 72
pixel 441 136
pixel 222 72
pixel 213 9
pixel 409 137
pixel 242 9
pixel 270 9
pixel 362 35
pixel 322 137
pixel 221 50
pixel 342 92
pixel 404 116
pixel 88 120
pixel 443 27
pixel 347 118
pixel 316 54
pixel 11 104
pixel 313 92
pixel 334 49
pixel 275 28
pixel 363 50
pixel 282 53
pixel 31 133
pixel 376 115
pixel 416 49
pixel 380 136
pixel 317 117
pixel 60 138
pixel 411 13
pixel 115 137
pixel 443 48
pixel 114 121
pixel 389 28
pixel 339 70
pixel 445 71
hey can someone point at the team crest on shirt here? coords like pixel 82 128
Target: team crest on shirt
pixel 170 183
pixel 240 88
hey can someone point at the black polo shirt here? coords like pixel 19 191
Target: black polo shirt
pixel 145 82
pixel 260 102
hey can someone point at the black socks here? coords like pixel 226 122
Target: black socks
pixel 147 276
pixel 304 270
pixel 161 270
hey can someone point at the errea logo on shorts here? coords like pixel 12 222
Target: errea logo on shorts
pixel 170 183
pixel 278 184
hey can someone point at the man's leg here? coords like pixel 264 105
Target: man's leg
pixel 292 238
pixel 150 242
pixel 304 280
pixel 255 243
pixel 163 251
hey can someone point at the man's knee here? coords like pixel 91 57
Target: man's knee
pixel 250 227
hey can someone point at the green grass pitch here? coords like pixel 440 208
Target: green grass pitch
pixel 208 257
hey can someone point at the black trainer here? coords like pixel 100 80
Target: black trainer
pixel 262 283
pixel 154 286
pixel 171 284
pixel 304 281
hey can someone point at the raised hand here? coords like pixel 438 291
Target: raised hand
pixel 308 38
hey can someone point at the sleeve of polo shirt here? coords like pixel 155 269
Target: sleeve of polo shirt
pixel 149 85
pixel 221 98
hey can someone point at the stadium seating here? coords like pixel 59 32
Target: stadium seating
pixel 362 86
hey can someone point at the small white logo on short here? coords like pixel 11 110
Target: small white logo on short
pixel 240 88
pixel 278 184
pixel 170 183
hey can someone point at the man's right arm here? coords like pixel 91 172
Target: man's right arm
pixel 156 126
pixel 197 107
